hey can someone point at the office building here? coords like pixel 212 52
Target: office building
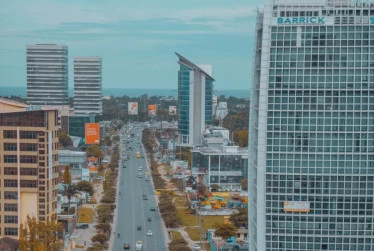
pixel 195 101
pixel 77 124
pixel 218 161
pixel 28 166
pixel 47 74
pixel 87 85
pixel 311 131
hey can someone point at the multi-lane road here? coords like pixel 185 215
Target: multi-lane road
pixel 132 209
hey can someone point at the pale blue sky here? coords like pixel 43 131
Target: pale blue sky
pixel 136 39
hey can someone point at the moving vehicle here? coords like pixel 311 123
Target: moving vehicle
pixel 139 227
pixel 138 154
pixel 139 245
pixel 149 218
pixel 140 168
pixel 153 209
pixel 149 232
pixel 126 245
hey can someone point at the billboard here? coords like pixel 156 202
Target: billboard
pixel 296 206
pixel 215 100
pixel 152 110
pixel 172 110
pixel 92 133
pixel 132 108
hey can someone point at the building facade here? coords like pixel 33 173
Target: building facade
pixel 47 74
pixel 311 156
pixel 28 165
pixel 195 101
pixel 88 85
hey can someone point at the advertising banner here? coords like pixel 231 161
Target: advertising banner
pixel 92 133
pixel 152 110
pixel 172 110
pixel 296 206
pixel 223 105
pixel 132 108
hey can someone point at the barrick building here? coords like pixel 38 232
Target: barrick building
pixel 311 151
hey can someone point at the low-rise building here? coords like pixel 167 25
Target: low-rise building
pixel 219 162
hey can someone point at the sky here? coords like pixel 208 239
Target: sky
pixel 136 39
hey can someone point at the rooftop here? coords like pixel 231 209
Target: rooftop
pixel 185 61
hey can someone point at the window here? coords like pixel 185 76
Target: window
pixel 28 159
pixel 10 207
pixel 10 146
pixel 10 134
pixel 10 219
pixel 28 147
pixel 29 171
pixel 10 158
pixel 10 183
pixel 10 195
pixel 29 183
pixel 28 135
pixel 10 171
pixel 11 231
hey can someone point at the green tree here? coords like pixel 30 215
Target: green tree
pixel 94 151
pixel 241 138
pixel 85 186
pixel 64 139
pixel 39 235
pixel 224 230
pixel 240 219
pixel 67 175
pixel 70 191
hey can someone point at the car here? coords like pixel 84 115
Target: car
pixel 139 227
pixel 82 225
pixel 196 247
pixel 139 245
pixel 149 232
pixel 126 245
pixel 124 167
pixel 149 218
pixel 145 197
pixel 153 209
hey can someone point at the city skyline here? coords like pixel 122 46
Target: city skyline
pixel 131 37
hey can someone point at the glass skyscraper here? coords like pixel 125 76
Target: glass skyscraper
pixel 311 131
pixel 195 101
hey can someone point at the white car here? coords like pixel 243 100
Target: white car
pixel 149 233
pixel 197 247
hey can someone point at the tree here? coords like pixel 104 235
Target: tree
pixel 101 238
pixel 94 151
pixel 67 175
pixel 224 230
pixel 39 235
pixel 64 139
pixel 214 187
pixel 85 186
pixel 202 191
pixel 241 138
pixel 105 227
pixel 70 191
pixel 244 183
pixel 179 245
pixel 240 219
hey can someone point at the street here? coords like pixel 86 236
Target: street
pixel 132 209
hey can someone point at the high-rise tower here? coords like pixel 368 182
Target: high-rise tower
pixel 87 85
pixel 311 130
pixel 195 101
pixel 47 74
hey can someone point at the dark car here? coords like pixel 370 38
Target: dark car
pixel 82 225
pixel 124 167
pixel 126 245
pixel 153 209
pixel 149 218
pixel 139 227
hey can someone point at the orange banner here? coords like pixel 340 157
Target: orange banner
pixel 92 133
pixel 152 110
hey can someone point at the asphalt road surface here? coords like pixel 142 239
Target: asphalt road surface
pixel 133 210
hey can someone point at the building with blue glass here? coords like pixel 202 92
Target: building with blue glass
pixel 311 127
pixel 195 101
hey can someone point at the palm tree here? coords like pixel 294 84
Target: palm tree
pixel 70 191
